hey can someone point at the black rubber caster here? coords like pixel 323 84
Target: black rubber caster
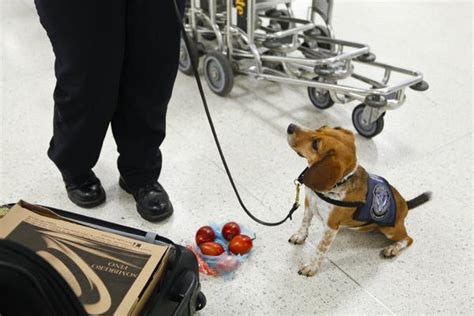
pixel 186 55
pixel 367 130
pixel 201 301
pixel 420 86
pixel 272 44
pixel 375 100
pixel 367 58
pixel 321 98
pixel 330 69
pixel 218 73
pixel 281 25
pixel 209 36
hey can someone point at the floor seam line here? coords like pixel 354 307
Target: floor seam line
pixel 355 281
pixel 360 286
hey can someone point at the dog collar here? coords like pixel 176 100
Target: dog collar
pixel 343 180
pixel 346 178
pixel 339 183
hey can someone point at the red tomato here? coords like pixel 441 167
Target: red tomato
pixel 230 230
pixel 205 234
pixel 240 244
pixel 211 248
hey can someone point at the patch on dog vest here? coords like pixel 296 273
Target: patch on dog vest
pixel 380 206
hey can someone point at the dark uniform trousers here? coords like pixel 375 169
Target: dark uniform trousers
pixel 116 62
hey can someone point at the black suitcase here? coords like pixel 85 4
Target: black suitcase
pixel 179 290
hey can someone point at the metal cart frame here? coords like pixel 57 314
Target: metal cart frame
pixel 299 51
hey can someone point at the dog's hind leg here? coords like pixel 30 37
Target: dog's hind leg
pixel 300 236
pixel 401 238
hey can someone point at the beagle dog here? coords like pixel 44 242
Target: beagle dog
pixel 342 194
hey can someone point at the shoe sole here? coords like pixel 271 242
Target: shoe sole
pixel 88 204
pixel 140 211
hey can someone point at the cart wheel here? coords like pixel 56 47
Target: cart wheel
pixel 321 98
pixel 322 31
pixel 185 56
pixel 200 301
pixel 218 73
pixel 367 130
pixel 325 33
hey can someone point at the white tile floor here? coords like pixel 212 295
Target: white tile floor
pixel 427 144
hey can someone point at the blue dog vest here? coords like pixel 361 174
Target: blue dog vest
pixel 380 206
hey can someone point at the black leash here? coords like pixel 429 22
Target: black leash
pixel 298 182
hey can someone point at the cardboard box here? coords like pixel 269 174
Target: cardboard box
pixel 110 274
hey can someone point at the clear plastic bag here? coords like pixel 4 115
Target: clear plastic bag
pixel 225 264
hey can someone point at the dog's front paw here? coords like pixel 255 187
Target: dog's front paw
pixel 297 238
pixel 309 270
pixel 391 251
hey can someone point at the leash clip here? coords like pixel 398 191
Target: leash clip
pixel 296 205
pixel 298 190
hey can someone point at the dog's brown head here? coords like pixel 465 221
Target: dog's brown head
pixel 330 152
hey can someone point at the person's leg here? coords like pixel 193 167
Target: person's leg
pixel 88 39
pixel 150 66
pixel 139 124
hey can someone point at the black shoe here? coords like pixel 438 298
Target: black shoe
pixel 87 192
pixel 153 203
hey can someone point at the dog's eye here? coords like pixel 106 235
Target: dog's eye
pixel 315 144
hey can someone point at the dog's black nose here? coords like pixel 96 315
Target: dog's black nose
pixel 291 129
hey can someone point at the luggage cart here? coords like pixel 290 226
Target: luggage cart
pixel 263 39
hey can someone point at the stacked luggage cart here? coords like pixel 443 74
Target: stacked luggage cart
pixel 264 39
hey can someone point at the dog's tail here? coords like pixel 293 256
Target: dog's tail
pixel 420 199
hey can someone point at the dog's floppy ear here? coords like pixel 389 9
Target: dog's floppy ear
pixel 324 174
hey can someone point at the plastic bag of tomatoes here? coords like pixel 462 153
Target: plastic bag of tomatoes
pixel 221 249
